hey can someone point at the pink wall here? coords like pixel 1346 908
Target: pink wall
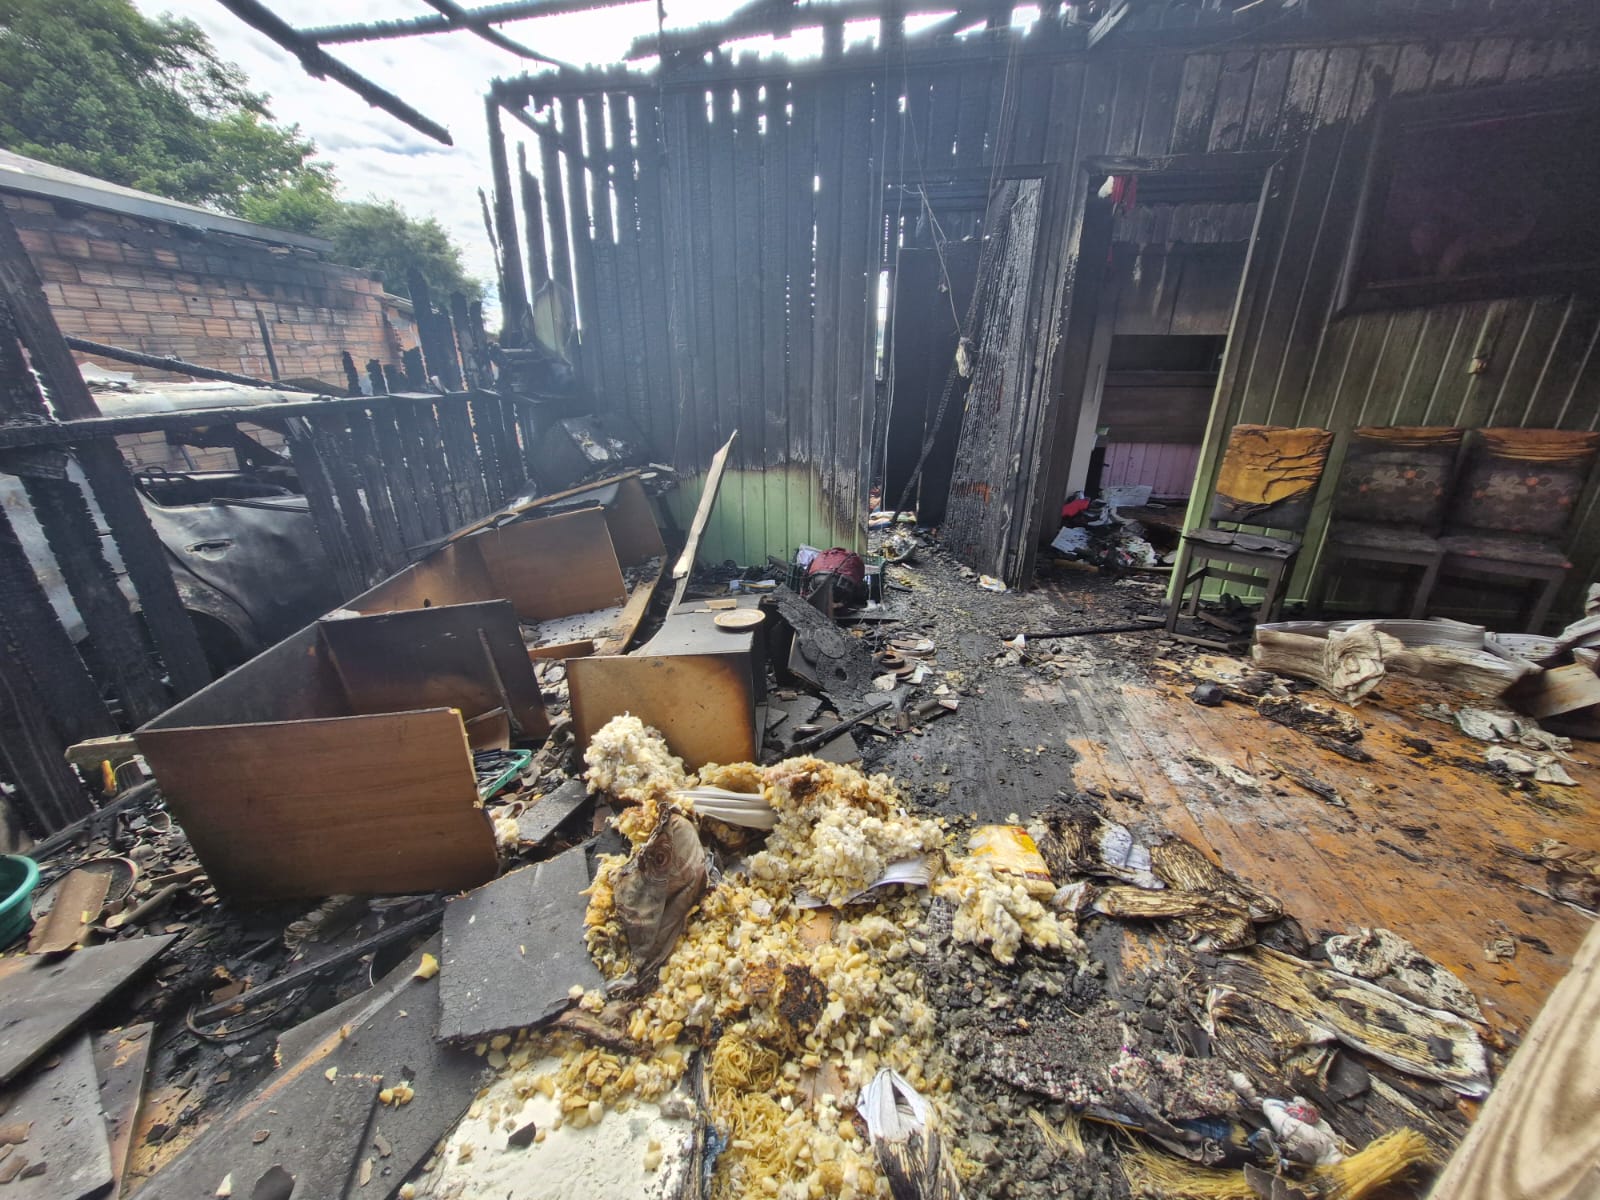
pixel 1167 468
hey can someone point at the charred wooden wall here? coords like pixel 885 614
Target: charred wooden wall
pixel 729 292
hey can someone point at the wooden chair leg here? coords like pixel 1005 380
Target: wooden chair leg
pixel 1180 572
pixel 1420 602
pixel 1272 596
pixel 1547 597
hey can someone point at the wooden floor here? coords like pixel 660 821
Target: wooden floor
pixel 1416 851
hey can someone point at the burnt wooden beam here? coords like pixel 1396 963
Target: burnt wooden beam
pixel 319 64
pixel 352 377
pixel 460 18
pixel 532 220
pixel 31 749
pixel 177 366
pixel 325 518
pixel 143 555
pixel 472 18
pixel 513 286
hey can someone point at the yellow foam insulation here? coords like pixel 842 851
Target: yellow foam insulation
pixel 1158 1176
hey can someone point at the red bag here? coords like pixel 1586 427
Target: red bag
pixel 846 564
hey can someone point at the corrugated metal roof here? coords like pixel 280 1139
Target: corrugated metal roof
pixel 32 177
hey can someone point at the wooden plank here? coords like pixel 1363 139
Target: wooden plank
pixel 1231 113
pixel 514 949
pixel 1266 99
pixel 425 469
pixel 556 207
pixel 122 1061
pixel 751 408
pixel 1548 1098
pixel 513 286
pixel 533 222
pixel 831 172
pixel 609 347
pixel 45 998
pixel 555 566
pixel 468 657
pixel 662 348
pixel 972 115
pixel 465 467
pixel 486 420
pixel 800 234
pixel 331 437
pixel 640 367
pixel 701 703
pixel 364 804
pixel 702 514
pixel 723 265
pixel 59 1105
pixel 774 267
pixel 380 508
pixel 401 483
pixel 582 240
pixel 710 373
pixel 1170 76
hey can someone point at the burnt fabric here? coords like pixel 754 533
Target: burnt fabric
pixel 1397 476
pixel 1524 481
pixel 1269 475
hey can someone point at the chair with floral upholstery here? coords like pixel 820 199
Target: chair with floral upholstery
pixel 1266 481
pixel 1389 504
pixel 1512 508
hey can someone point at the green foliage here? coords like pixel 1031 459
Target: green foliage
pixel 379 234
pixel 94 86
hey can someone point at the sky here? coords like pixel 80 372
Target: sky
pixel 442 75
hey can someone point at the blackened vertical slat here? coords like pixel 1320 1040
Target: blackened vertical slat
pixel 397 473
pixel 325 518
pixel 488 428
pixel 31 749
pixel 1033 113
pixel 628 270
pixel 40 643
pixel 1160 103
pixel 380 509
pixel 665 357
pixel 1232 108
pixel 330 434
pixel 800 234
pixel 857 294
pixel 578 219
pixel 414 370
pixel 774 317
pixel 74 540
pixel 513 287
pixel 461 454
pixel 377 377
pixel 1190 129
pixel 671 132
pixel 143 555
pixel 825 347
pixel 700 441
pixel 725 270
pixel 603 245
pixel 476 370
pixel 425 468
pixel 438 344
pixel 973 115
pixel 944 109
pixel 747 248
pixel 533 222
pixel 352 377
pixel 556 209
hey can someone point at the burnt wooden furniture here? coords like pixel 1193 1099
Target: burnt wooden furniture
pixel 1514 506
pixel 1389 504
pixel 1268 477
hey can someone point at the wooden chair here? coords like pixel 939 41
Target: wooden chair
pixel 1513 506
pixel 1389 504
pixel 1268 477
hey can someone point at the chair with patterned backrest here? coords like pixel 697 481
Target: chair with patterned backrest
pixel 1513 506
pixel 1389 504
pixel 1268 477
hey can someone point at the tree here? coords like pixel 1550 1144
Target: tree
pixel 97 87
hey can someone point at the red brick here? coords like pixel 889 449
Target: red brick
pixel 71 245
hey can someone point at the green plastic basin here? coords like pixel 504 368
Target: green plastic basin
pixel 18 877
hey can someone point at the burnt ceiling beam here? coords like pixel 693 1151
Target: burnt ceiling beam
pixel 778 18
pixel 319 64
pixel 472 18
pixel 459 19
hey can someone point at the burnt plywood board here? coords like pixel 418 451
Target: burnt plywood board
pixel 122 1061
pixel 41 999
pixel 464 656
pixel 67 1153
pixel 556 566
pixel 703 704
pixel 372 804
pixel 302 1123
pixel 540 821
pixel 389 1031
pixel 513 950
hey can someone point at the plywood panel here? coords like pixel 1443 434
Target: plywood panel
pixel 469 657
pixel 369 804
pixel 554 567
pixel 293 681
pixel 453 574
pixel 701 703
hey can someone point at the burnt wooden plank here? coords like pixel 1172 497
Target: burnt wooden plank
pixel 533 222
pixel 513 287
pixel 661 351
pixel 752 424
pixel 826 337
pixel 489 432
pixel 380 508
pixel 1230 114
pixel 774 432
pixel 1168 76
pixel 943 114
pixel 143 555
pixel 799 236
pixel 670 133
pixel 858 234
pixel 701 439
pixel 58 1104
pixel 972 116
pixel 610 346
pixel 325 517
pixel 352 377
pixel 1549 401
pixel 1127 106
pixel 331 436
pixel 424 464
pixel 579 221
pixel 461 454
pixel 724 268
pixel 33 749
pixel 438 342
pixel 640 369
pixel 1266 99
pixel 1200 96
pixel 556 209
pixel 397 472
pixel 377 377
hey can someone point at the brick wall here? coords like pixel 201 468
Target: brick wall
pixel 165 289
